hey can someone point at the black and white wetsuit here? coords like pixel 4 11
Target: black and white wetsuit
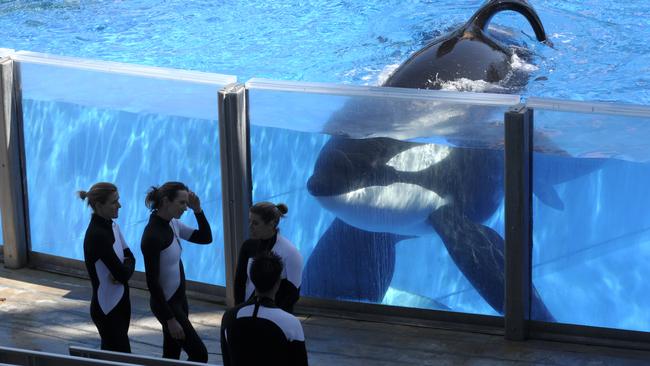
pixel 161 249
pixel 110 306
pixel 259 333
pixel 289 291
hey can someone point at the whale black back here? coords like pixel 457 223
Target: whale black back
pixel 469 52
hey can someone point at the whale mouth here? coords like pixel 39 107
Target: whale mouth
pixel 319 186
pixel 334 174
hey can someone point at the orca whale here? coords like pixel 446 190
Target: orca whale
pixel 384 190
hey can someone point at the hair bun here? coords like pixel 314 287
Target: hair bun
pixel 82 194
pixel 282 208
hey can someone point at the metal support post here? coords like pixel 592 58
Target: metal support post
pixel 518 217
pixel 236 181
pixel 13 190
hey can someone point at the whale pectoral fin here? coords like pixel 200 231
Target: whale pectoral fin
pixel 478 251
pixel 350 263
pixel 397 297
pixel 548 195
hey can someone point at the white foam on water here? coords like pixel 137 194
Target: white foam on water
pixel 518 64
pixel 386 73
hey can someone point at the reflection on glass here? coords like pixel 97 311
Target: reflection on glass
pixel 88 121
pixel 394 203
pixel 591 219
pixel 69 147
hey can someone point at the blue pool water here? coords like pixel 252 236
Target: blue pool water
pixel 340 41
pixel 590 257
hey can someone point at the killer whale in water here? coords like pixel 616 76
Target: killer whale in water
pixel 384 190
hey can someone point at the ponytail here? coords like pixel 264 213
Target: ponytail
pixel 153 199
pixel 268 211
pixel 98 193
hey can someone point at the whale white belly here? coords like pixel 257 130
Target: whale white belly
pixel 399 208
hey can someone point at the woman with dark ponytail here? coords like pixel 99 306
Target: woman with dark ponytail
pixel 263 220
pixel 161 248
pixel 110 264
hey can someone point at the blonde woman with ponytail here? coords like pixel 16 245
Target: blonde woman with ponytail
pixel 110 264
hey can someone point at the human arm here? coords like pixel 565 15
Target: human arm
pixel 289 291
pixel 129 258
pixel 287 296
pixel 151 253
pixel 120 271
pixel 241 272
pixel 202 235
pixel 298 353
pixel 297 349
pixel 225 351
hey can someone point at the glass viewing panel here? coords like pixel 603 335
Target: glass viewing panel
pixel 392 193
pixel 88 121
pixel 591 221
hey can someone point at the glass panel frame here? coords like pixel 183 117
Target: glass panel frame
pixel 156 124
pixel 275 102
pixel 589 257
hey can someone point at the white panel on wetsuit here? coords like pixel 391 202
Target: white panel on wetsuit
pixel 109 293
pixel 170 270
pixel 291 264
pixel 289 324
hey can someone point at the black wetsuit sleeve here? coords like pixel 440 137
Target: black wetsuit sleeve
pixel 225 352
pixel 298 353
pixel 287 296
pixel 204 234
pixel 241 275
pixel 129 254
pixel 120 271
pixel 151 253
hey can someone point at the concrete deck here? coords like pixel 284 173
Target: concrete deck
pixel 47 312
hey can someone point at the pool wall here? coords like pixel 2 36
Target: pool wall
pixel 161 125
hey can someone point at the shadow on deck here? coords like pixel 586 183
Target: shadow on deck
pixel 48 312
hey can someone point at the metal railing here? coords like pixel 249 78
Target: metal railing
pixel 23 357
pixel 128 357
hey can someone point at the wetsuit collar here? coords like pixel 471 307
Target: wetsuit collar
pixel 262 301
pixel 267 244
pixel 107 223
pixel 154 217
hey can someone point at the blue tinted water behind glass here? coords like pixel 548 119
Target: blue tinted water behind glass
pixel 590 257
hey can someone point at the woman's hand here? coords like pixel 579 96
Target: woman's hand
pixel 194 202
pixel 175 329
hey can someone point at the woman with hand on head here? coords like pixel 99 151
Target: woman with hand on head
pixel 263 220
pixel 161 248
pixel 110 264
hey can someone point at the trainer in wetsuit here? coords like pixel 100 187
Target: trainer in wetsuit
pixel 110 264
pixel 161 248
pixel 263 219
pixel 257 332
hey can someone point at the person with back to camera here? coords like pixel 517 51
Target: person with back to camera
pixel 257 332
pixel 110 264
pixel 161 248
pixel 263 220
